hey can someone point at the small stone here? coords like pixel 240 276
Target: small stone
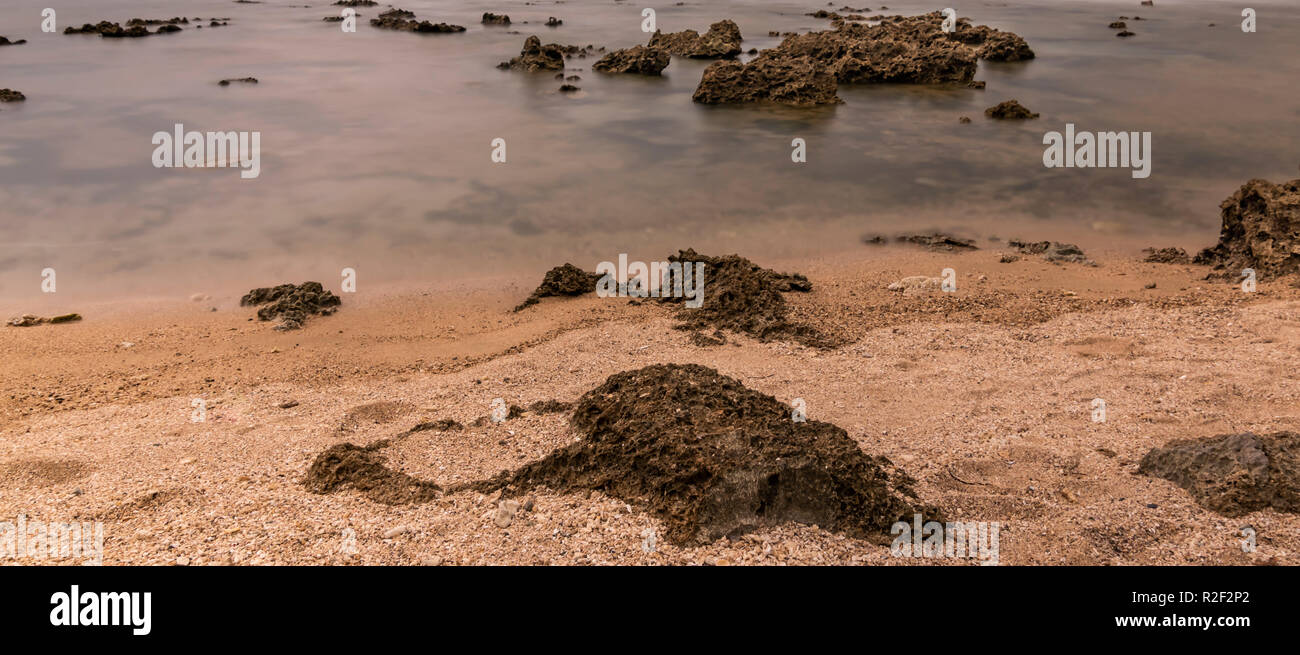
pixel 393 532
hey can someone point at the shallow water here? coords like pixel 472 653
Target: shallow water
pixel 376 145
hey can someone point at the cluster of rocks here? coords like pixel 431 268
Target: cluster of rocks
pixel 536 57
pixel 245 80
pixel 291 304
pixel 1166 256
pixel 404 21
pixel 135 28
pixel 806 69
pixel 721 41
pixel 356 3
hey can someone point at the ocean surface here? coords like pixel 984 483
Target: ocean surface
pixel 376 145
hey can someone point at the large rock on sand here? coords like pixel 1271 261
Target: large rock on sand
pixel 1233 474
pixel 1261 230
pixel 711 458
pixel 721 41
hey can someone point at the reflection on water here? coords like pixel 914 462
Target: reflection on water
pixel 375 145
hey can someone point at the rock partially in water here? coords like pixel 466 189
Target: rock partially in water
pixel 245 80
pixel 1009 110
pixel 721 41
pixel 1260 230
pixel 1233 474
pixel 537 57
pixel 292 304
pixel 907 50
pixel 490 18
pixel 4 41
pixel 11 95
pixel 796 81
pixel 356 3
pixel 404 21
pixel 639 60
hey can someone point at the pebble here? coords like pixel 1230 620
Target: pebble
pixel 393 532
pixel 506 513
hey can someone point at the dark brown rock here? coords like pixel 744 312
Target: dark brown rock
pixel 404 21
pixel 1009 110
pixel 721 41
pixel 291 304
pixel 711 458
pixel 566 280
pixel 1260 230
pixel 797 81
pixel 1233 474
pixel 11 95
pixel 1166 256
pixel 639 60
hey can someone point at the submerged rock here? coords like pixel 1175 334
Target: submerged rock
pixel 5 41
pixel 721 41
pixel 1260 230
pixel 291 304
pixel 245 80
pixel 1009 110
pixel 1233 474
pixel 639 60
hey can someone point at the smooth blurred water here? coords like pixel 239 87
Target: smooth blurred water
pixel 375 145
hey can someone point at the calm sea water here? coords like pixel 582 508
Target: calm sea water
pixel 376 145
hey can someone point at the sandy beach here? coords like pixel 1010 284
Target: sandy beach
pixel 983 395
